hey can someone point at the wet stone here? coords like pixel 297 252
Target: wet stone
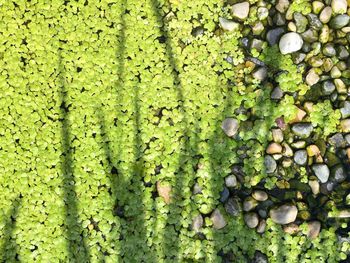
pixel 301 22
pixel 261 226
pixel 314 22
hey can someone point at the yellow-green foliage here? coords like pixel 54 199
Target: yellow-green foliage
pixel 100 100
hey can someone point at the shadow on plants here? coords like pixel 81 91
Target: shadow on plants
pixel 183 176
pixel 126 175
pixel 76 246
pixel 8 251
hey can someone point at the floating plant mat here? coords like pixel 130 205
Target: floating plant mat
pixel 174 131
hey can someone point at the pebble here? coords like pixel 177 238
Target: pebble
pixel 338 173
pixel 230 126
pixel 274 35
pixel 321 171
pixel 282 6
pixel 339 21
pixel 260 195
pixel 312 77
pixel 284 214
pixel 197 223
pixel 291 228
pixel 227 24
pixel 259 257
pixel 313 150
pixel 326 14
pixel 249 204
pixel 277 135
pixel 328 87
pixel 260 73
pixel 339 6
pixel 345 125
pixel 164 192
pixel 270 164
pixel 277 93
pixel 314 228
pixel 251 219
pixel 315 187
pixel 231 181
pixel 303 130
pixel 233 206
pixel 337 140
pixel 290 42
pixel 301 22
pixel 224 195
pixel 240 10
pixel 273 148
pixel 300 157
pixel 261 226
pixel 217 219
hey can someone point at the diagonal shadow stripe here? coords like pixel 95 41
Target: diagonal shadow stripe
pixel 76 246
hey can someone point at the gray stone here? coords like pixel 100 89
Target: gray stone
pixel 260 195
pixel 329 50
pixel 339 6
pixel 231 181
pixel 261 226
pixel 321 171
pixel 284 214
pixel 270 164
pixel 314 22
pixel 302 129
pixel 290 42
pixel 240 10
pixel 310 35
pixel 197 223
pixel 337 140
pixel 233 206
pixel 259 257
pixel 339 21
pixel 338 173
pixel 251 219
pixel 300 157
pixel 257 44
pixel 224 195
pixel 343 53
pixel 249 204
pixel 227 24
pixel 218 219
pixel 300 22
pixel 273 35
pixel 277 93
pixel 230 126
pixel 328 87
